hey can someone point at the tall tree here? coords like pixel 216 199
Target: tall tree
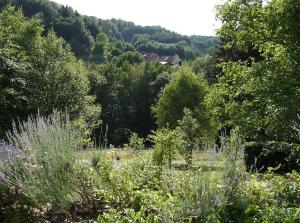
pixel 16 35
pixel 39 73
pixel 262 95
pixel 185 90
pixel 101 45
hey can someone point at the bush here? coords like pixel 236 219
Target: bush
pixel 268 198
pixel 128 215
pixel 15 206
pixel 166 144
pixel 136 143
pixel 45 173
pixel 285 157
pixel 143 173
pixel 190 130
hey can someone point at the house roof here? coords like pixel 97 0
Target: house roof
pixel 161 58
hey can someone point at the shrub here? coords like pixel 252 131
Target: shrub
pixel 10 156
pixel 45 174
pixel 166 143
pixel 136 143
pixel 128 215
pixel 201 196
pixel 15 206
pixel 143 173
pixel 198 199
pixel 281 155
pixel 268 198
pixel 190 130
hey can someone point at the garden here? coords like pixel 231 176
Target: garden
pixel 52 178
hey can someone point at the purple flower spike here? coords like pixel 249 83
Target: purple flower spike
pixel 9 154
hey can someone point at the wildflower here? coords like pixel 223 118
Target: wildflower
pixel 13 190
pixel 14 206
pixel 31 167
pixel 34 211
pixel 49 205
pixel 47 208
pixel 9 153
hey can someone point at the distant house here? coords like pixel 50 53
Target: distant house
pixel 154 57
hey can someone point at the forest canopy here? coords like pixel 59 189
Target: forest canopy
pixel 81 31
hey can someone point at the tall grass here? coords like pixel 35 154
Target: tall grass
pixel 44 174
pixel 207 196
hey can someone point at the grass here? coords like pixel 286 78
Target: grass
pixel 204 160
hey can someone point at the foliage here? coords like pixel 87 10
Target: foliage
pixel 128 215
pixel 129 57
pixel 81 32
pixel 58 80
pixel 206 65
pixel 8 155
pixel 282 156
pixel 136 143
pixel 129 91
pixel 185 90
pixel 17 207
pixel 100 47
pixel 262 90
pixel 13 64
pixel 137 190
pixel 45 171
pixel 166 144
pixel 45 178
pixel 143 173
pixel 42 74
pixel 190 130
pixel 270 199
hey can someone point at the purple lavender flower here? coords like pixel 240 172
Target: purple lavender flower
pixel 8 155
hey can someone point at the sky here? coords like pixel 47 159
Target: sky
pixel 187 17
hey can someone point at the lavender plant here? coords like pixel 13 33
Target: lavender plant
pixel 9 158
pixel 45 173
pixel 9 153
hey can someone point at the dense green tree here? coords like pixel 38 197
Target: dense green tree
pixel 57 79
pixel 45 70
pixel 206 65
pixel 13 64
pixel 130 57
pixel 116 48
pixel 185 90
pixel 40 74
pixel 130 90
pixel 100 48
pixel 261 94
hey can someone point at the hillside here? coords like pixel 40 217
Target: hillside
pixel 80 31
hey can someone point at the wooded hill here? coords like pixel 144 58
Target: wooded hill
pixel 81 32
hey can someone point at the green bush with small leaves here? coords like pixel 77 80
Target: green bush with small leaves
pixel 136 143
pixel 127 216
pixel 166 144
